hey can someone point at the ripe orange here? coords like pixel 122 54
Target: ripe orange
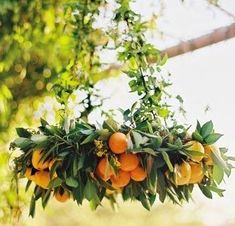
pixel 138 174
pixel 208 151
pixel 121 179
pixel 51 163
pixel 182 173
pixel 37 164
pixel 118 143
pixel 196 146
pixel 42 178
pixel 128 162
pixel 102 176
pixel 197 173
pixel 104 170
pixel 62 195
pixel 111 192
pixel 28 173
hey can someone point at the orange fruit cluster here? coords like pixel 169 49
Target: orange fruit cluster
pixel 191 171
pixel 41 175
pixel 129 163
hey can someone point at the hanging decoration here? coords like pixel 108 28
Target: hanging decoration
pixel 147 157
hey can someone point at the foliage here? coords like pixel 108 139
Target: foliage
pixel 76 155
pixel 75 146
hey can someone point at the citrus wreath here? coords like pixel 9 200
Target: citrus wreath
pixel 147 156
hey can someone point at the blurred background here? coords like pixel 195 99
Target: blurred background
pixel 33 51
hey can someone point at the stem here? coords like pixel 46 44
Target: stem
pixel 143 80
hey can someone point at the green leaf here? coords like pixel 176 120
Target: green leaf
pixel 81 161
pixel 212 138
pixel 94 204
pixel 90 191
pixel 32 207
pixel 178 143
pixel 157 142
pixel 78 192
pixel 218 173
pixel 196 136
pixel 198 128
pixel 39 139
pixel 144 201
pixel 152 198
pixel 23 143
pixel 167 160
pixel 45 198
pixel 23 132
pixel 153 174
pixel 206 191
pixel 90 138
pixel 147 134
pixel 111 125
pixel 149 151
pixel 180 99
pixel 163 149
pixel 232 158
pixel 29 182
pixel 150 128
pixel 163 60
pixel 207 129
pixel 47 153
pixel 161 186
pixel 193 153
pixel 217 159
pixel 137 139
pixel 71 182
pixel 217 190
pixel 56 182
pixel 163 112
pixel 104 134
pixel 173 146
pixel 43 122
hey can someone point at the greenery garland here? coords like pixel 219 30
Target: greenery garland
pixel 146 157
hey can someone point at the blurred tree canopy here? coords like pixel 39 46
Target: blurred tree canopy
pixel 34 48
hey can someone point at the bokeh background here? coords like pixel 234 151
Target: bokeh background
pixel 33 50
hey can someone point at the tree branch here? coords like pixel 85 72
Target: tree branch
pixel 218 35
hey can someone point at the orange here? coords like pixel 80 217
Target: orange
pixel 109 192
pixel 42 178
pixel 112 192
pixel 28 173
pixel 208 151
pixel 121 179
pixel 51 163
pixel 128 162
pixel 62 195
pixel 138 174
pixel 103 169
pixel 37 164
pixel 195 146
pixel 197 173
pixel 102 176
pixel 182 173
pixel 118 143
